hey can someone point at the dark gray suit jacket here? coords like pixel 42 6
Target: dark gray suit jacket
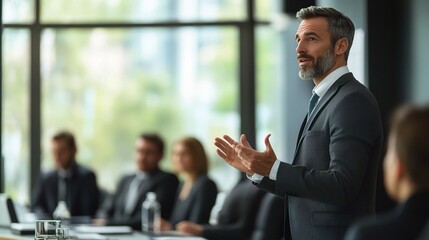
pixel 162 183
pixel 83 193
pixel 331 181
pixel 199 203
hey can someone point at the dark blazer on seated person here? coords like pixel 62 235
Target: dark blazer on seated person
pixel 162 183
pixel 82 193
pixel 198 204
pixel 236 219
pixel 406 221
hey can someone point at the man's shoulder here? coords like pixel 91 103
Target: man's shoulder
pixel 127 176
pixel 49 175
pixel 353 92
pixel 351 84
pixel 84 171
pixel 164 175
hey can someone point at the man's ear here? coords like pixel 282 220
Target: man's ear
pixel 74 151
pixel 400 169
pixel 341 46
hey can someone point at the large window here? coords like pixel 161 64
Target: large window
pixel 108 85
pixel 268 89
pixel 109 70
pixel 71 11
pixel 15 104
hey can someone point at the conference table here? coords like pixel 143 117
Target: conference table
pixel 7 234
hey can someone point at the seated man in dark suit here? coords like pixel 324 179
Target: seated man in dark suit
pixel 236 219
pixel 69 182
pixel 406 168
pixel 126 204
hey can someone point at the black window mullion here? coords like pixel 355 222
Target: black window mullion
pixel 247 75
pixel 35 99
pixel 2 179
pixel 247 72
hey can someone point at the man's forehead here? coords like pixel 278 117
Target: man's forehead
pixel 145 143
pixel 317 24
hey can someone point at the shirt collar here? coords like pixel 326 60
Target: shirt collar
pixel 66 173
pixel 140 175
pixel 329 80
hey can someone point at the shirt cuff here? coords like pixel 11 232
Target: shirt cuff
pixel 255 177
pixel 274 170
pixel 273 173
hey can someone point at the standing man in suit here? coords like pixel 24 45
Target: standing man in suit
pixel 69 182
pixel 330 182
pixel 406 168
pixel 125 207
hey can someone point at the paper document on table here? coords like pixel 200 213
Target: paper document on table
pixel 179 238
pixel 87 236
pixel 103 229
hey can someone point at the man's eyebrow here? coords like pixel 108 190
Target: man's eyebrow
pixel 307 34
pixel 311 34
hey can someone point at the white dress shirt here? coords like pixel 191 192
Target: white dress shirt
pixel 132 195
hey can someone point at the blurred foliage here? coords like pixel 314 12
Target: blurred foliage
pixel 107 85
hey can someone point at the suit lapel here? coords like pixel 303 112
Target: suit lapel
pixel 122 196
pixel 301 132
pixel 54 194
pixel 145 187
pixel 321 105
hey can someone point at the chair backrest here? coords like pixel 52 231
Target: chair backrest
pixel 270 219
pixel 7 211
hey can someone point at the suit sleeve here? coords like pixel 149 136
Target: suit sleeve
pixel 166 195
pixel 91 194
pixel 38 202
pixel 108 207
pixel 354 128
pixel 204 202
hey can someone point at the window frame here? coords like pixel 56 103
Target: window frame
pixel 247 74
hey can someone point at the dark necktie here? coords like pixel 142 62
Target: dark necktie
pixel 313 101
pixel 63 189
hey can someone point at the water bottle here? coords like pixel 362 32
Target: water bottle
pixel 62 213
pixel 151 214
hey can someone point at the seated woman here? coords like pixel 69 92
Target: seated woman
pixel 197 193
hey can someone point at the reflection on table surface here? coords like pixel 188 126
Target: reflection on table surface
pixel 6 234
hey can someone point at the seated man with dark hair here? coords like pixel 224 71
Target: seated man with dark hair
pixel 69 182
pixel 126 204
pixel 406 168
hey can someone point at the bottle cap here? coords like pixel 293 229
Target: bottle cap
pixel 151 196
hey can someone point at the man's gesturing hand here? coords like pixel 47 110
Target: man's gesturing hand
pixel 257 162
pixel 225 149
pixel 243 157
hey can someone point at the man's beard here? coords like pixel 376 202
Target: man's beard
pixel 322 65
